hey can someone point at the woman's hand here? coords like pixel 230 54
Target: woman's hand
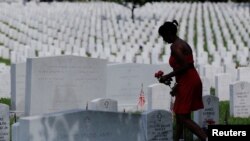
pixel 165 79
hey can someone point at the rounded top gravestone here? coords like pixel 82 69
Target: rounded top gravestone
pixel 159 125
pixel 103 104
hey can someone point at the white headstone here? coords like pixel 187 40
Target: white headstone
pixel 101 104
pixel 18 73
pixel 239 99
pixel 222 82
pixel 206 85
pixel 81 125
pixel 210 113
pixel 210 71
pixel 232 71
pixel 243 74
pixel 159 97
pixel 15 131
pixel 159 125
pixel 63 82
pixel 124 82
pixel 4 123
pixel 6 53
pixel 5 84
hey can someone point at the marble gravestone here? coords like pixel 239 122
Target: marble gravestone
pixel 209 72
pixel 81 125
pixel 206 85
pixel 126 80
pixel 103 104
pixel 159 97
pixel 243 74
pixel 15 131
pixel 63 82
pixel 239 99
pixel 222 82
pixel 5 84
pixel 232 71
pixel 18 73
pixel 210 113
pixel 159 125
pixel 4 123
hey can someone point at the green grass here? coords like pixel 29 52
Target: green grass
pixel 212 28
pixel 162 53
pixel 210 58
pixel 212 91
pixel 88 54
pixel 6 61
pixel 195 29
pixel 5 101
pixel 224 112
pixel 224 115
pixel 113 53
pixel 2 60
pixel 204 31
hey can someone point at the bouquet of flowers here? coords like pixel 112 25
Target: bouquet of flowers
pixel 159 74
pixel 160 77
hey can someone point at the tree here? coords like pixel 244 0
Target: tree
pixel 134 4
pixel 131 4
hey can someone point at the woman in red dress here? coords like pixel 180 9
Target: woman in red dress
pixel 188 96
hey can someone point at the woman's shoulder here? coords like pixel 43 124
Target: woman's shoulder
pixel 180 44
pixel 185 46
pixel 183 43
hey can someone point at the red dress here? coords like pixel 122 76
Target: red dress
pixel 189 88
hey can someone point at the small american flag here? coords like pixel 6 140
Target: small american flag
pixel 141 101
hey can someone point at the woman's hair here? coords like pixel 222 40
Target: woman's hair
pixel 170 27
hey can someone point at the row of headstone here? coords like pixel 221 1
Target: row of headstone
pixel 66 82
pixel 206 116
pixel 232 86
pixel 207 112
pixel 152 125
pixel 125 82
pixel 78 125
pixel 117 34
pixel 71 82
pixel 27 128
pixel 237 93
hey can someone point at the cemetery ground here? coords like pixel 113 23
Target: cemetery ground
pixel 223 117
